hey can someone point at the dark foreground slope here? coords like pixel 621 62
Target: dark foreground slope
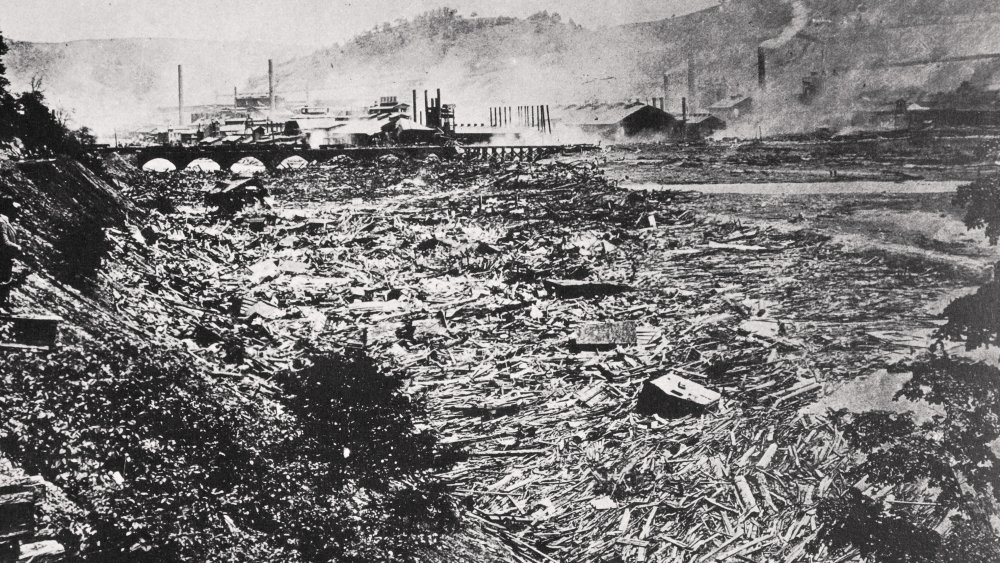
pixel 160 442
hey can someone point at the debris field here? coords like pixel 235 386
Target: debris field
pixel 622 375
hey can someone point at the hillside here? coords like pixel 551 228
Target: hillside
pixel 855 47
pixel 866 52
pixel 118 82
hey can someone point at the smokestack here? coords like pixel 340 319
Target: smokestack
pixel 684 117
pixel 180 95
pixel 761 68
pixel 235 96
pixel 270 82
pixel 427 115
pixel 666 85
pixel 414 105
pixel 692 87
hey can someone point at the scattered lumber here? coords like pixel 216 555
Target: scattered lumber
pixel 534 321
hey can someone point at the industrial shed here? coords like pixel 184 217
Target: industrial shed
pixel 701 125
pixel 612 120
pixel 732 108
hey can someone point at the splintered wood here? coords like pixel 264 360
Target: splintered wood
pixel 529 306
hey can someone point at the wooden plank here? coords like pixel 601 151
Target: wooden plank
pixel 746 494
pixel 47 551
pixel 17 511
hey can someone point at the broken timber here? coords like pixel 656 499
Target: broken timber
pixel 569 289
pixel 18 501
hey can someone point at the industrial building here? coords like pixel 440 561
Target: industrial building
pixel 731 108
pixel 615 120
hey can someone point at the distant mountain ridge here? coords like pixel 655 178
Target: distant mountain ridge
pixel 850 45
pixel 854 47
pixel 108 83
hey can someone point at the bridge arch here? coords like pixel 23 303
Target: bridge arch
pixel 158 165
pixel 290 162
pixel 247 164
pixel 203 163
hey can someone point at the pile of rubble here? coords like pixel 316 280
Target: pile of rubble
pixel 623 376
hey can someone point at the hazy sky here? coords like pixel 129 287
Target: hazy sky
pixel 304 22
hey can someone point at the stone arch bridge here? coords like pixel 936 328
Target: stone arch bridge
pixel 272 156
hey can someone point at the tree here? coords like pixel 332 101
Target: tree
pixel 4 83
pixel 38 127
pixel 8 107
pixel 981 200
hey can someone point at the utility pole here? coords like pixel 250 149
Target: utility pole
pixel 180 95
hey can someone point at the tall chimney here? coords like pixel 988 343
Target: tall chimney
pixel 234 96
pixel 684 118
pixel 180 95
pixel 427 114
pixel 761 68
pixel 666 86
pixel 270 82
pixel 414 105
pixel 692 87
